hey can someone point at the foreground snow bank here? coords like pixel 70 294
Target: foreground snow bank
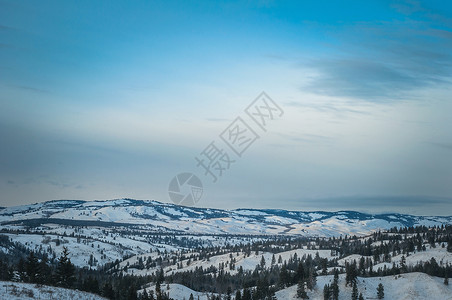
pixel 19 291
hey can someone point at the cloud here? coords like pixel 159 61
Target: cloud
pixel 218 120
pixel 423 205
pixel 308 138
pixel 3 27
pixel 385 61
pixel 30 88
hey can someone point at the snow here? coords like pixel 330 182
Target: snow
pixel 178 291
pixel 23 291
pixel 410 286
pixel 155 216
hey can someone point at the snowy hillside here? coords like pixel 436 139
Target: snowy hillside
pixel 23 291
pixel 156 216
pixel 410 286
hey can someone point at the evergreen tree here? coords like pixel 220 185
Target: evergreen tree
pixel 335 285
pixel 107 291
pixel 238 295
pixel 132 294
pixel 355 291
pixel 246 294
pixel 144 295
pixel 326 292
pixel 21 270
pixel 262 262
pixel 32 268
pixel 312 280
pixel 158 290
pixel 351 273
pixel 301 292
pixel 446 279
pixel 44 272
pixel 5 271
pixel 65 270
pixel 380 291
pixel 191 297
pixel 361 297
pixel 299 276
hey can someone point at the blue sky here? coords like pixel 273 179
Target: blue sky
pixel 110 99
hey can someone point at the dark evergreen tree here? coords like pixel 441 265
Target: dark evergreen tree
pixel 301 292
pixel 65 270
pixel 108 291
pixel 32 268
pixel 5 271
pixel 44 275
pixel 21 270
pixel 335 285
pixel 238 295
pixel 326 292
pixel 380 291
pixel 246 295
pixel 355 291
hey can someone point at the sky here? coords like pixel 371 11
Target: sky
pixel 112 99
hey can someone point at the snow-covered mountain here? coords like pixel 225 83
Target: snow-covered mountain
pixel 163 217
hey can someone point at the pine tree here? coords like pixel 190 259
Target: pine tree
pixel 21 270
pixel 446 280
pixel 246 294
pixel 403 266
pixel 144 295
pixel 300 272
pixel 335 285
pixel 355 291
pixel 158 290
pixel 380 291
pixel 326 292
pixel 65 270
pixel 262 262
pixel 107 291
pixel 312 280
pixel 361 297
pixel 44 272
pixel 191 297
pixel 5 271
pixel 350 273
pixel 238 295
pixel 132 295
pixel 32 268
pixel 301 292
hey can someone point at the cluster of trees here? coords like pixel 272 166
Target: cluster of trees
pixel 34 270
pixel 268 277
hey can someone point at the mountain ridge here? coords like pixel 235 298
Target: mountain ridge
pixel 159 215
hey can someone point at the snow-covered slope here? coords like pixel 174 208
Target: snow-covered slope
pixel 22 291
pixel 156 216
pixel 177 291
pixel 409 286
